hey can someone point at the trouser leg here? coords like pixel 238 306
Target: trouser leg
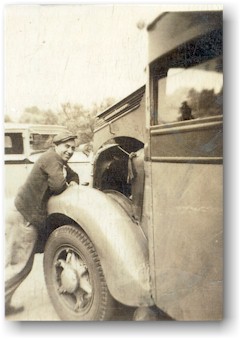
pixel 20 244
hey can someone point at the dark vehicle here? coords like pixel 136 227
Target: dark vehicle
pixel 150 231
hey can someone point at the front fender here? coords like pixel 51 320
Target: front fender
pixel 120 243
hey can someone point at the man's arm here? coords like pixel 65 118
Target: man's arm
pixel 55 177
pixel 72 176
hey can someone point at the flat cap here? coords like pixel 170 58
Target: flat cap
pixel 63 137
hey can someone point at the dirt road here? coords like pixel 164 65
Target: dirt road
pixel 32 294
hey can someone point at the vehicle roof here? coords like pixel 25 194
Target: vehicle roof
pixel 176 28
pixel 38 128
pixel 151 25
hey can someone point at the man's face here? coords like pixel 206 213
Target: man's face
pixel 66 149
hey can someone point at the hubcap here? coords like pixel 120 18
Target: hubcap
pixel 73 281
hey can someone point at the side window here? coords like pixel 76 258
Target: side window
pixel 191 93
pixel 13 143
pixel 187 83
pixel 40 142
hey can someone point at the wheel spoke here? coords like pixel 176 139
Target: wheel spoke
pixel 74 276
pixel 73 279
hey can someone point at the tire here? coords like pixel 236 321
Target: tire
pixel 74 276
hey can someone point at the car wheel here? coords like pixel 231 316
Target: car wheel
pixel 74 276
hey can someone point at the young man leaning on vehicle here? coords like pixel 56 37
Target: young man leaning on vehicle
pixel 50 175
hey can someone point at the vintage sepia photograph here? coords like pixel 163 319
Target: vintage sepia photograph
pixel 113 162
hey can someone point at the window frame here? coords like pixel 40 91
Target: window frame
pixel 189 54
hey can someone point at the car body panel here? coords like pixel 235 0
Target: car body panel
pixel 120 243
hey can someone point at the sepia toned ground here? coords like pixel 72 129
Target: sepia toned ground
pixel 32 295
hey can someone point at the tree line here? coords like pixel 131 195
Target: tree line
pixel 75 117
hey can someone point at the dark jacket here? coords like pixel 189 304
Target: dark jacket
pixel 46 179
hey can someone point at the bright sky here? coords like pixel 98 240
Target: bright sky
pixel 80 54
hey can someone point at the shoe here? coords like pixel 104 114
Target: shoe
pixel 11 310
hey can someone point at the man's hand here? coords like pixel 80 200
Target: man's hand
pixel 72 184
pixel 85 184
